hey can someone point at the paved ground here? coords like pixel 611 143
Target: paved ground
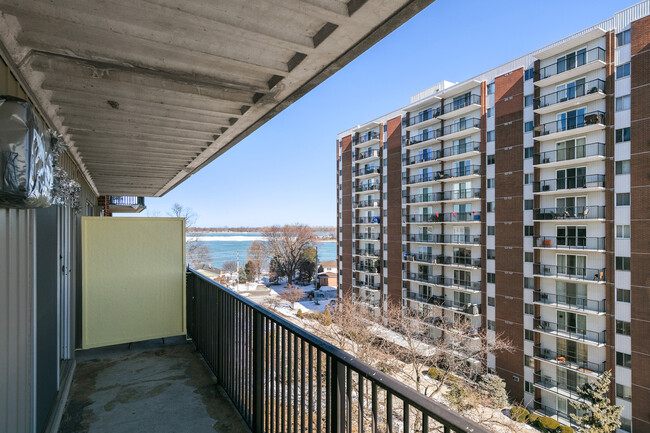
pixel 152 387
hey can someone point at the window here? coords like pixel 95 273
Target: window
pixel 491 278
pixel 490 301
pixel 490 254
pixel 528 100
pixel 623 232
pixel 490 159
pixel 529 362
pixel 529 283
pixel 490 183
pixel 528 204
pixel 528 126
pixel 623 199
pixel 623 103
pixel 623 70
pixel 623 167
pixel 528 178
pixel 622 135
pixel 624 392
pixel 624 359
pixel 491 325
pixel 626 424
pixel 623 295
pixel 528 152
pixel 529 230
pixel 528 386
pixel 622 328
pixel 490 88
pixel 528 74
pixel 490 135
pixel 385 179
pixel 529 309
pixel 528 335
pixel 490 206
pixel 623 38
pixel 490 112
pixel 491 230
pixel 528 257
pixel 622 263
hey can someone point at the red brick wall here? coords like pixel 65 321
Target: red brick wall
pixel 394 208
pixel 509 230
pixel 640 223
pixel 103 201
pixel 347 214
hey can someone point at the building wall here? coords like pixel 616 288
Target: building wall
pixel 394 210
pixel 346 243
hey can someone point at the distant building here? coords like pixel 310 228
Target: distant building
pixel 329 266
pixel 328 279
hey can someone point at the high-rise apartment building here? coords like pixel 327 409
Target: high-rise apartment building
pixel 518 202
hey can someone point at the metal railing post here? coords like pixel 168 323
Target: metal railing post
pixel 337 396
pixel 258 372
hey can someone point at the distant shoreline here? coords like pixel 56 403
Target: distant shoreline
pixel 244 230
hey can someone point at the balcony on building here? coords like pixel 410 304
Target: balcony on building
pixel 569 126
pixel 574 65
pixel 442 260
pixel 366 172
pixel 571 273
pixel 368 220
pixel 584 183
pixel 422 158
pixel 460 150
pixel 367 204
pixel 559 415
pixel 573 243
pixel 570 361
pixel 562 389
pixel 570 303
pixel 582 153
pixel 422 139
pixel 452 239
pixel 366 268
pixel 367 252
pixel 366 236
pixel 559 214
pixel 469 309
pixel 367 155
pixel 562 100
pixel 594 338
pixel 126 204
pixel 461 105
pixel 451 174
pixel 366 139
pixel 371 185
pixel 422 119
pixel 363 285
pixel 442 281
pixel 461 128
pixel 443 217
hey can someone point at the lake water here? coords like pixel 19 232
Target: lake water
pixel 223 246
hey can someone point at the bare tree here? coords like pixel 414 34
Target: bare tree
pixel 197 253
pixel 258 256
pixel 287 244
pixel 292 294
pixel 230 266
pixel 179 211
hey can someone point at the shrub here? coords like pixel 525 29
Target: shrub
pixel 299 313
pixel 327 317
pixel 532 419
pixel 564 429
pixel 494 390
pixel 433 373
pixel 547 424
pixel 519 414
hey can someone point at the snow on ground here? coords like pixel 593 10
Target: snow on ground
pixel 306 306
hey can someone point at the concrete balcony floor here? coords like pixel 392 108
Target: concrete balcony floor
pixel 151 387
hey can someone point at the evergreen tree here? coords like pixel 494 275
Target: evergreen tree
pixel 597 414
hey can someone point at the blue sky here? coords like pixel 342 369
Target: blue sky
pixel 285 172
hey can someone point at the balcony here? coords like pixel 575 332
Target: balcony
pixel 421 158
pixel 368 220
pixel 460 150
pixel 571 333
pixel 570 243
pixel 422 119
pixel 366 286
pixel 361 267
pixel 424 137
pixel 443 175
pixel 431 300
pixel 441 260
pixel 569 272
pixel 556 414
pixel 254 353
pixel 569 361
pixel 439 301
pixel 460 106
pixel 367 236
pixel 586 183
pixel 570 97
pixel 447 217
pixel 126 204
pixel 461 128
pixel 581 153
pixel 565 70
pixel 439 280
pixel 366 138
pixel 366 172
pixel 565 390
pixel 443 239
pixel 572 303
pixel 560 214
pixel 374 203
pixel 367 186
pixel 365 252
pixel 574 125
pixel 368 154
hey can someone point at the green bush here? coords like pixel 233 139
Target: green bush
pixel 299 313
pixel 532 419
pixel 564 429
pixel 547 424
pixel 433 373
pixel 519 414
pixel 327 317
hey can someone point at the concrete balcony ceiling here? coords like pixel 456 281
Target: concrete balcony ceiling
pixel 148 92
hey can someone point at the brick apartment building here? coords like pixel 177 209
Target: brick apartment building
pixel 517 201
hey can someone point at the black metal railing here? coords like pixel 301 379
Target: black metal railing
pixel 429 155
pixel 422 116
pixel 570 242
pixel 462 102
pixel 570 153
pixel 569 213
pixel 368 220
pixel 431 176
pixel 371 169
pixel 570 123
pixel 460 149
pixel 575 272
pixel 581 58
pixel 545 381
pixel 367 236
pixel 366 286
pixel 573 333
pixel 573 182
pixel 569 360
pixel 588 88
pixel 367 252
pixel 557 414
pixel 439 217
pixel 439 259
pixel 367 154
pixel 361 267
pixel 572 302
pixel 367 186
pixel 443 239
pixel 366 203
pixel 462 125
pixel 283 378
pixel 126 200
pixel 423 136
pixel 368 136
pixel 440 280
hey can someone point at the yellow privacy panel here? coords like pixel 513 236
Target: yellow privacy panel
pixel 133 279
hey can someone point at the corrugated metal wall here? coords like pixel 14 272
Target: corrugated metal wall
pixel 16 303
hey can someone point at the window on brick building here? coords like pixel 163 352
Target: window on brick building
pixel 622 263
pixel 623 295
pixel 623 199
pixel 623 103
pixel 622 135
pixel 528 74
pixel 490 159
pixel 622 327
pixel 623 167
pixel 528 152
pixel 623 38
pixel 528 100
pixel 491 278
pixel 623 70
pixel 490 88
pixel 624 359
pixel 528 126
